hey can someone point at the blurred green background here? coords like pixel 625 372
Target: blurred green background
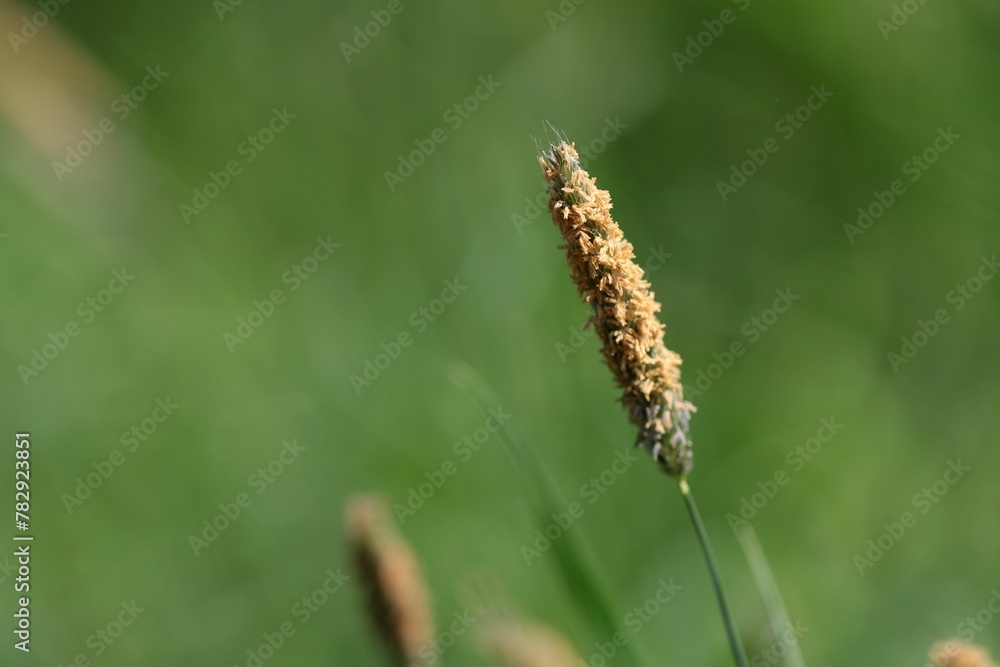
pixel 465 214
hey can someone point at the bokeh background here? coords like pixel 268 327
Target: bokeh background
pixel 465 214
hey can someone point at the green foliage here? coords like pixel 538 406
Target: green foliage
pixel 671 137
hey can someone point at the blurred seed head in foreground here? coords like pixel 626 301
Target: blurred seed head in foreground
pixel 959 653
pixel 398 601
pixel 520 644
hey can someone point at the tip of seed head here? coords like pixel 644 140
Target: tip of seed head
pixel 959 653
pixel 514 643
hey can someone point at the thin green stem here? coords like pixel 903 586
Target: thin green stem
pixel 739 655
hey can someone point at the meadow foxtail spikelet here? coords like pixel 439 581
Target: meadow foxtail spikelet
pixel 398 601
pixel 515 643
pixel 604 270
pixel 959 653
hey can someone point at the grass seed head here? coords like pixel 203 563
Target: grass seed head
pixel 603 267
pixel 398 601
pixel 514 643
pixel 959 653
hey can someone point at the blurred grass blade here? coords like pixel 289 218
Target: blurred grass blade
pixel 768 588
pixel 575 559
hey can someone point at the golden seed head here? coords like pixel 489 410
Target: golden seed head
pixel 604 270
pixel 398 601
pixel 959 653
pixel 518 644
